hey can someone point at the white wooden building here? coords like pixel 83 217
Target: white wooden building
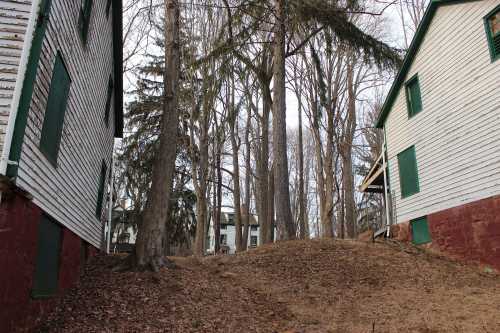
pixel 441 121
pixel 60 111
pixel 228 233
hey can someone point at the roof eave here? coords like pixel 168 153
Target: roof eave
pixel 409 57
pixel 118 66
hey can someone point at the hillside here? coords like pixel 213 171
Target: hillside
pixel 313 286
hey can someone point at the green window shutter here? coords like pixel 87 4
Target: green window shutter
pixel 28 86
pixel 420 231
pixel 413 96
pixel 84 19
pixel 56 108
pixel 108 6
pixel 100 193
pixel 492 26
pixel 108 101
pixel 408 172
pixel 45 280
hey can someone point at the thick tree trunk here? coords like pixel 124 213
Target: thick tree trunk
pixel 281 177
pixel 218 199
pixel 263 174
pixel 327 221
pixel 340 216
pixel 348 177
pixel 270 204
pixel 151 237
pixel 236 187
pixel 304 232
pixel 248 175
pixel 201 185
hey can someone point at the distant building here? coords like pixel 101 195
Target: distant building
pixel 124 233
pixel 440 167
pixel 228 233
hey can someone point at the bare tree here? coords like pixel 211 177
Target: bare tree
pixel 151 237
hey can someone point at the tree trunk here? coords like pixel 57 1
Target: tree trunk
pixel 263 173
pixel 233 115
pixel 151 237
pixel 281 177
pixel 348 177
pixel 202 184
pixel 248 174
pixel 271 212
pixel 304 234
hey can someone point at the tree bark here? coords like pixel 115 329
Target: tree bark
pixel 200 171
pixel 236 167
pixel 348 177
pixel 248 175
pixel 304 234
pixel 264 195
pixel 281 177
pixel 151 237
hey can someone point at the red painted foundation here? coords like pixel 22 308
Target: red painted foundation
pixel 19 219
pixel 469 233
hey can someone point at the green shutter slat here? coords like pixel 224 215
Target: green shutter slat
pixel 84 19
pixel 56 108
pixel 45 280
pixel 493 36
pixel 408 172
pixel 413 96
pixel 100 193
pixel 496 44
pixel 108 6
pixel 416 98
pixel 420 231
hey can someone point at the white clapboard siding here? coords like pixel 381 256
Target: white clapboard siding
pixel 457 134
pixel 69 192
pixel 14 16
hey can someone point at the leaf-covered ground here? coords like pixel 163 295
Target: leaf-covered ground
pixel 313 286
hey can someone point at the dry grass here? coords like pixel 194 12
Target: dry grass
pixel 313 286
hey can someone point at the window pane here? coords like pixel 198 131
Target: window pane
pixel 54 114
pixel 494 22
pixel 420 231
pixel 413 96
pixel 408 173
pixel 46 276
pixel 100 193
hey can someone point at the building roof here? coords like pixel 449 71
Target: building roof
pixel 228 219
pixel 410 56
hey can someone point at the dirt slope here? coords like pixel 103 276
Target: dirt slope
pixel 314 286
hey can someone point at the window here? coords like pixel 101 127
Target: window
pixel 408 172
pixel 223 226
pixel 100 193
pixel 254 228
pixel 223 239
pixel 253 241
pixel 420 231
pixel 45 281
pixel 492 25
pixel 230 218
pixel 108 101
pixel 84 19
pixel 108 6
pixel 413 97
pixel 56 108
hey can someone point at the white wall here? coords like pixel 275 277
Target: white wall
pixel 457 134
pixel 68 192
pixel 14 21
pixel 230 233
